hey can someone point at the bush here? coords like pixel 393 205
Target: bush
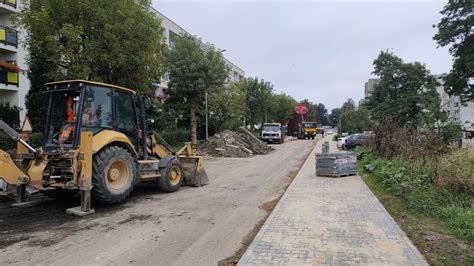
pixel 440 187
pixel 394 175
pixel 363 152
pixel 392 141
pixel 335 137
pixel 36 140
pixel 6 143
pixel 455 172
pixel 451 133
pixel 10 115
pixel 460 220
pixel 176 136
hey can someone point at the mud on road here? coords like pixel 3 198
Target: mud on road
pixel 192 226
pixel 21 224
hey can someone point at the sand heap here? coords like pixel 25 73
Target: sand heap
pixel 238 143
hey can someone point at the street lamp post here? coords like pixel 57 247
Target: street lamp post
pixel 207 126
pixel 339 127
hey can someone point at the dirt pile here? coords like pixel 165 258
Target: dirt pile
pixel 238 143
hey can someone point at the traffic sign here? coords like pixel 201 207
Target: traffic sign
pixel 26 127
pixel 301 109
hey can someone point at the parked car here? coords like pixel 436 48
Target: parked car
pixel 340 142
pixel 355 140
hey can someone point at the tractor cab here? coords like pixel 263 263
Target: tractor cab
pixel 76 106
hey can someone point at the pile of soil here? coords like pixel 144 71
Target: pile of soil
pixel 238 143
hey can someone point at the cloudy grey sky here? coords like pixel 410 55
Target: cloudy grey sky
pixel 319 50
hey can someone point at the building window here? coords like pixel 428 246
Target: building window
pixel 172 38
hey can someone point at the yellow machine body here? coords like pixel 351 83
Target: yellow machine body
pixel 82 161
pixel 108 137
pixel 34 172
pixel 9 172
pixel 66 161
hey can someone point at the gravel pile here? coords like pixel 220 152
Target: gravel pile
pixel 238 143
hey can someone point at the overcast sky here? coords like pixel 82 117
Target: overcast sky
pixel 319 50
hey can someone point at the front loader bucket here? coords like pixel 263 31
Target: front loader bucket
pixel 200 178
pixel 194 173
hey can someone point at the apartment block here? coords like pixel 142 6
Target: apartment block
pixel 14 83
pixel 171 31
pixel 369 87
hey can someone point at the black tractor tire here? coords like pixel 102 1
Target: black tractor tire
pixel 172 176
pixel 113 175
pixel 60 194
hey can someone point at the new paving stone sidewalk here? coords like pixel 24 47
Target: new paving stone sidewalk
pixel 322 220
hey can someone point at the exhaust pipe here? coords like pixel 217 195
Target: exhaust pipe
pixel 14 135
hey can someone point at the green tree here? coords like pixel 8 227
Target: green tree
pixel 322 115
pixel 355 120
pixel 117 42
pixel 334 117
pixel 227 107
pixel 35 100
pixel 258 100
pixel 456 29
pixel 283 107
pixel 404 92
pixel 311 114
pixel 193 71
pixel 348 105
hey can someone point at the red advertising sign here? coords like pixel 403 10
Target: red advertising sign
pixel 301 109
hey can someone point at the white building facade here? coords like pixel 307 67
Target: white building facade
pixel 449 104
pixel 14 83
pixel 171 31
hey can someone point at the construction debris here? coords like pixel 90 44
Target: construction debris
pixel 238 143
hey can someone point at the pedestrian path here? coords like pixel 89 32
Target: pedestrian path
pixel 321 220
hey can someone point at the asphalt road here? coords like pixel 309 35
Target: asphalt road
pixel 192 226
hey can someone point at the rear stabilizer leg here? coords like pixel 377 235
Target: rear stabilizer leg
pixel 21 198
pixel 21 193
pixel 85 208
pixel 85 180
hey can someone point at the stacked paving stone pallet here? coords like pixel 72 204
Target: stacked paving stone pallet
pixel 336 163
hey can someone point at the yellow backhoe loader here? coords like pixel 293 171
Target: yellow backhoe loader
pixel 96 142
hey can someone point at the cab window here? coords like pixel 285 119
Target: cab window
pixel 124 105
pixel 97 108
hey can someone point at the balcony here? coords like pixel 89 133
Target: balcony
pixel 9 75
pixel 7 6
pixel 9 39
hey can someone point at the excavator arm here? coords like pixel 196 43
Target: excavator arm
pixel 9 171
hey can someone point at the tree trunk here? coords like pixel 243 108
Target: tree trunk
pixel 193 126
